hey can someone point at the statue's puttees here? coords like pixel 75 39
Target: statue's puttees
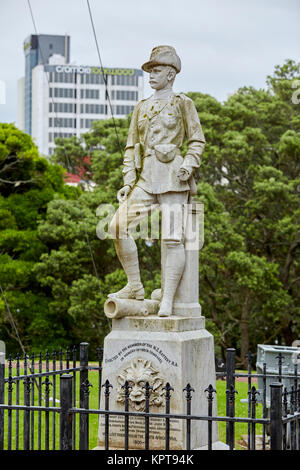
pixel 157 175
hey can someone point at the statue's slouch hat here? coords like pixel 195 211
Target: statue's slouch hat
pixel 163 55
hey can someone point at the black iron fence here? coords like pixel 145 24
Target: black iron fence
pixel 281 416
pixel 31 387
pixel 45 404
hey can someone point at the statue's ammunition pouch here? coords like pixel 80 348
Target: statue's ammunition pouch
pixel 165 152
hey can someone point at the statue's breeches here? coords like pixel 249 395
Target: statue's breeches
pixel 140 203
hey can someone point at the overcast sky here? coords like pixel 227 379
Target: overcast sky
pixel 223 44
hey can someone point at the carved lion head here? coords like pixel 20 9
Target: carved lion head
pixel 137 374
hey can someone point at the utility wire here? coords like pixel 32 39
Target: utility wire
pixel 17 334
pixel 12 320
pixel 57 119
pixel 67 158
pixel 64 150
pixel 104 77
pixel 69 165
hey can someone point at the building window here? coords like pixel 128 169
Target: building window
pixel 89 94
pixel 62 122
pixel 64 135
pixel 62 77
pixel 120 109
pixel 62 107
pixel 124 80
pixel 62 92
pixel 92 108
pixel 92 79
pixel 127 95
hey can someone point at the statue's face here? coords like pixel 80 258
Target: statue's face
pixel 161 76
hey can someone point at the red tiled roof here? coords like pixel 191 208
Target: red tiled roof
pixel 70 178
pixel 76 178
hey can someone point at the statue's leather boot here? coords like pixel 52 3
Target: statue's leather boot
pixel 175 261
pixel 165 309
pixel 128 256
pixel 128 292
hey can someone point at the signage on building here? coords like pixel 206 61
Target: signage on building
pixel 94 70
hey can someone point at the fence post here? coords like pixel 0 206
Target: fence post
pixel 100 359
pixel 84 377
pixel 106 387
pixel 276 416
pixel 188 389
pixel 210 396
pixel 126 430
pixel 2 377
pixel 66 418
pixel 230 386
pixel 26 424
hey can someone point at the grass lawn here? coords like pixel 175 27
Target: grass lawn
pixel 241 410
pixel 240 429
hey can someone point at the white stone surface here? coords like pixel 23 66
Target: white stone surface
pixel 174 353
pixel 173 346
pixel 119 308
pixel 155 324
pixel 156 173
pixel 218 445
pixel 186 300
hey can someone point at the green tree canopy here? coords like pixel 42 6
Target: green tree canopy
pixel 249 185
pixel 27 183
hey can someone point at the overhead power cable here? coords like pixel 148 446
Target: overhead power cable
pixel 17 334
pixel 64 150
pixel 12 320
pixel 104 77
pixel 57 119
pixel 67 158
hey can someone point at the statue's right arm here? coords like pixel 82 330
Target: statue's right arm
pixel 129 170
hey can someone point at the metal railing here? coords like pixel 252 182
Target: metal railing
pixel 40 376
pixel 280 423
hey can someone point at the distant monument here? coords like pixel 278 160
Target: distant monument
pixel 161 339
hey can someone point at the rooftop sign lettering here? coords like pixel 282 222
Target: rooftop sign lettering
pixel 94 70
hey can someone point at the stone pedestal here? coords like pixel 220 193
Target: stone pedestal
pixel 178 350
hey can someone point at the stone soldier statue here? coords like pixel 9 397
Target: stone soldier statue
pixel 158 129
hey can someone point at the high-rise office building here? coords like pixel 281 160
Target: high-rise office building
pixel 59 99
pixel 38 49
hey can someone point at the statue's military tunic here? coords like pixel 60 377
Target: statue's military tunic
pixel 157 131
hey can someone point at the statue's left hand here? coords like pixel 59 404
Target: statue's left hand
pixel 123 193
pixel 183 174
